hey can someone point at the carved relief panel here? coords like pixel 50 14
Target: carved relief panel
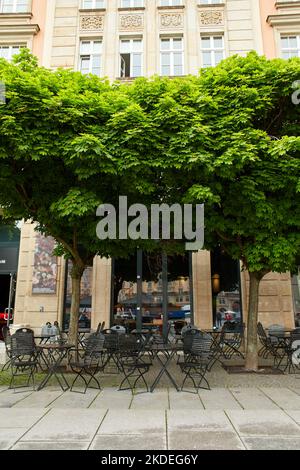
pixel 131 22
pixel 91 22
pixel 211 17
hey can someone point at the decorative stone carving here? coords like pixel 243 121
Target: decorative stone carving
pixel 92 23
pixel 131 22
pixel 211 17
pixel 171 20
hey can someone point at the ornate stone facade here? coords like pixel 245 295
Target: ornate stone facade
pixel 131 22
pixel 211 17
pixel 171 20
pixel 92 23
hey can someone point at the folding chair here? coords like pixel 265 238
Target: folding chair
pixel 132 361
pixel 90 361
pixel 198 359
pixel 24 357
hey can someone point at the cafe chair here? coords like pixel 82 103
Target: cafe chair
pixel 87 363
pixel 133 362
pixel 198 359
pixel 24 357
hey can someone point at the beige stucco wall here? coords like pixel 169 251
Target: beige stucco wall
pixel 28 306
pixel 238 20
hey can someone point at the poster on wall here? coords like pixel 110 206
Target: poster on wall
pixel 45 266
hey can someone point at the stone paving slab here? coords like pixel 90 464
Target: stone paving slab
pixel 158 400
pixel 73 445
pixel 295 415
pixel 20 418
pixel 75 400
pixel 9 436
pixel 272 443
pixel 112 398
pixel 283 397
pixel 9 398
pixel 66 426
pixel 263 423
pixel 253 399
pixel 204 429
pixel 40 399
pixel 153 441
pixel 218 399
pixel 184 400
pixel 130 422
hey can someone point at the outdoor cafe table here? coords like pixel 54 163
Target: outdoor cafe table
pixel 164 354
pixel 53 354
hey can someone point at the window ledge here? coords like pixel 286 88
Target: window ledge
pixel 211 5
pixel 92 10
pixel 287 4
pixel 19 15
pixel 19 29
pixel 131 9
pixel 171 7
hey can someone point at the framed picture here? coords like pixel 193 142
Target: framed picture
pixel 45 266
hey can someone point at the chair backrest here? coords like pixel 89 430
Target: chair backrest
pixel 94 344
pixel 119 329
pixel 261 331
pixel 198 344
pixel 111 340
pixel 188 328
pixel 22 342
pixel 6 333
pixel 100 327
pixel 130 344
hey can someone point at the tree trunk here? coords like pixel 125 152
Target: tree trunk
pixel 76 275
pixel 251 348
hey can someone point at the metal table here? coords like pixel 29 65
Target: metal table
pixel 53 354
pixel 164 354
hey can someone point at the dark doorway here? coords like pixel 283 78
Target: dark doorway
pixel 4 291
pixel 226 288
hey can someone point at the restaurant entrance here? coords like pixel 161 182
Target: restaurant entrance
pixel 152 290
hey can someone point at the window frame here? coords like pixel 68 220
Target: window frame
pixel 131 52
pixel 14 7
pixel 171 51
pixel 289 49
pixel 212 49
pixel 90 55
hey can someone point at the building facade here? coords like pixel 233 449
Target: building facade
pixel 121 40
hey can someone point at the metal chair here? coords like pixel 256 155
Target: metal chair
pixel 24 356
pixel 7 342
pixel 133 362
pixel 231 338
pixel 198 359
pixel 88 362
pixel 293 351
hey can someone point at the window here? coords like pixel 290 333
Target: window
pixel 170 3
pixel 131 54
pixel 92 4
pixel 13 6
pixel 90 56
pixel 290 46
pixel 132 3
pixel 212 50
pixel 171 56
pixel 7 52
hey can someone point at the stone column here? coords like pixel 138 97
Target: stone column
pixel 202 290
pixel 101 292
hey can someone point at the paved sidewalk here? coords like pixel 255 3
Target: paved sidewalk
pixel 223 418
